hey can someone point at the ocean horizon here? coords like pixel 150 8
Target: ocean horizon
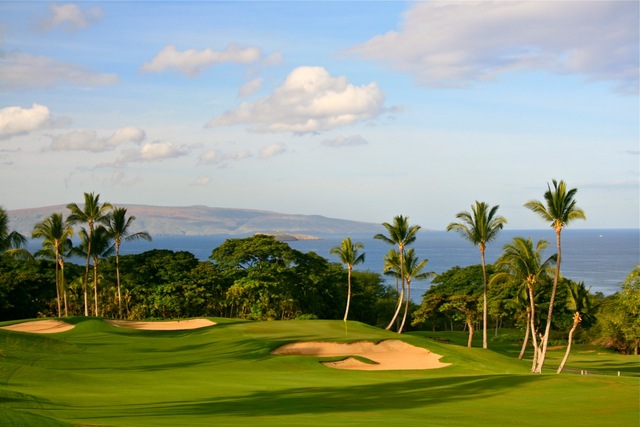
pixel 601 258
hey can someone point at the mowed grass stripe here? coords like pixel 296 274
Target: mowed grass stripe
pixel 98 374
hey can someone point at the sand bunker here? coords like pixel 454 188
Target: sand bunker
pixel 177 325
pixel 40 327
pixel 386 355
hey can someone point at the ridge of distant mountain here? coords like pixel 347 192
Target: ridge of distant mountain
pixel 204 220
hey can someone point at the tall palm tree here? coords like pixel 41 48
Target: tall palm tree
pixel 523 263
pixel 11 242
pixel 349 256
pixel 578 301
pixel 97 246
pixel 560 210
pixel 480 226
pixel 412 270
pixel 401 234
pixel 91 213
pixel 118 226
pixel 56 237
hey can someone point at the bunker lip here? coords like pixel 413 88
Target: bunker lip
pixel 49 326
pixel 176 325
pixel 385 355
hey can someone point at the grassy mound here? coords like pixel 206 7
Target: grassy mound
pixel 101 375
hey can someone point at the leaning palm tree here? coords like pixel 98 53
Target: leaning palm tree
pixel 480 226
pixel 349 256
pixel 401 234
pixel 56 236
pixel 118 226
pixel 578 301
pixel 523 263
pixel 412 270
pixel 91 213
pixel 11 242
pixel 560 210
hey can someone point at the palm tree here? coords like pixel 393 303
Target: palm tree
pixel 521 262
pixel 56 235
pixel 560 210
pixel 11 242
pixel 348 254
pixel 97 246
pixel 412 270
pixel 480 227
pixel 401 234
pixel 118 226
pixel 91 213
pixel 578 301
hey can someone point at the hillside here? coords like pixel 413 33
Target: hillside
pixel 203 220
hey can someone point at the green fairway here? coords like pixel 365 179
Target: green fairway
pixel 225 375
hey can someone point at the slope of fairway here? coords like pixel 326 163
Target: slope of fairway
pixel 101 375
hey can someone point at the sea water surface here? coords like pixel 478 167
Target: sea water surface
pixel 601 259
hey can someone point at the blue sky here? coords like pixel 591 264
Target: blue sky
pixel 356 110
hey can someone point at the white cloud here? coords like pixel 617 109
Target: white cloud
pixel 201 180
pixel 18 120
pixel 149 152
pixel 209 157
pixel 24 71
pixel 454 43
pixel 345 141
pixel 310 100
pixel 237 155
pixel 70 17
pixel 250 87
pixel 88 140
pixel 272 150
pixel 192 62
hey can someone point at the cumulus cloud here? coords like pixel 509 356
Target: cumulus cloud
pixel 450 44
pixel 345 141
pixel 209 157
pixel 201 180
pixel 192 62
pixel 272 150
pixel 25 71
pixel 151 151
pixel 70 17
pixel 18 120
pixel 310 100
pixel 88 140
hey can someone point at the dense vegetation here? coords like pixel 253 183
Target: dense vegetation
pixel 261 278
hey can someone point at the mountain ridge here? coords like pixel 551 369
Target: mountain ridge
pixel 201 220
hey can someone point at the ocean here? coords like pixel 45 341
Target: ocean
pixel 602 259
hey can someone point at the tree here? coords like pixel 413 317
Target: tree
pixel 56 239
pixel 96 246
pixel 118 225
pixel 578 301
pixel 11 242
pixel 521 262
pixel 560 210
pixel 348 254
pixel 480 227
pixel 412 270
pixel 401 234
pixel 629 298
pixel 91 213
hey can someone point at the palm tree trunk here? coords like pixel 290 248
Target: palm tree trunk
pixel 58 285
pixel 470 326
pixel 118 280
pixel 576 321
pixel 547 331
pixel 484 300
pixel 532 319
pixel 64 288
pixel 397 309
pixel 346 312
pixel 95 286
pixel 406 307
pixel 526 336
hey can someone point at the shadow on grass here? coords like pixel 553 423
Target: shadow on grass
pixel 320 400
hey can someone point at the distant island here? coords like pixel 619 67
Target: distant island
pixel 204 221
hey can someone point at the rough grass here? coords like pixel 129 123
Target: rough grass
pixel 100 375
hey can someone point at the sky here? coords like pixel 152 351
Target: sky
pixel 357 110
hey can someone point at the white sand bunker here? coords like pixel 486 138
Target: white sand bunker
pixel 386 355
pixel 40 327
pixel 177 325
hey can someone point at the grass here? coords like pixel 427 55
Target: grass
pixel 100 375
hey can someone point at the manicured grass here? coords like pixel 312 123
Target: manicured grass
pixel 100 375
